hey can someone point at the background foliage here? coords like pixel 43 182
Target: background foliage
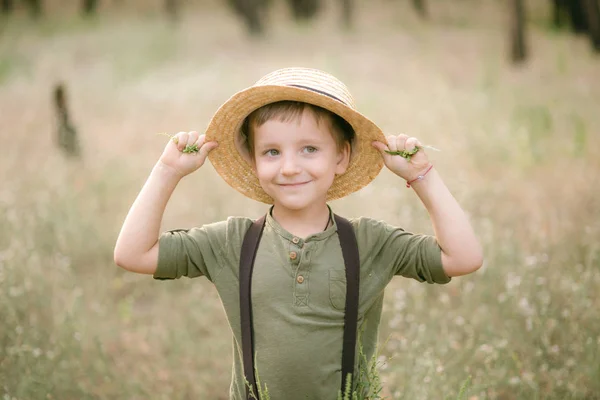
pixel 519 151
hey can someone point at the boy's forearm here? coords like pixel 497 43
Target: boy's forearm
pixel 141 228
pixel 461 251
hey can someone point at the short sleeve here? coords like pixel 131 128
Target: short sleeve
pixel 191 252
pixel 397 252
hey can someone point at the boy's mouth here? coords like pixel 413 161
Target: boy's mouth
pixel 292 184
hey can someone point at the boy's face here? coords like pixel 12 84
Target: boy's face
pixel 296 162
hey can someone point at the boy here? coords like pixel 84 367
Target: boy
pixel 295 141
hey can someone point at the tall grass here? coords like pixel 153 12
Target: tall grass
pixel 519 151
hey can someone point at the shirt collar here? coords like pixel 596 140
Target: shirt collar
pixel 314 237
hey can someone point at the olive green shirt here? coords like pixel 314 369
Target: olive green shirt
pixel 299 293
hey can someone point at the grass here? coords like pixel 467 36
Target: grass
pixel 519 153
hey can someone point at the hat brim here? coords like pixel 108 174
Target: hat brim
pixel 365 163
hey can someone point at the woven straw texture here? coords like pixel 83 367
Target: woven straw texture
pixel 365 163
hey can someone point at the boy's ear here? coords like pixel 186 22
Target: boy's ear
pixel 343 159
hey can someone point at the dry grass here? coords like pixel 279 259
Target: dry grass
pixel 519 150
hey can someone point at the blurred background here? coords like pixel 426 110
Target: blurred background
pixel 508 90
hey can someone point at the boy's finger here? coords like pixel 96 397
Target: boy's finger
pixel 411 143
pixel 380 146
pixel 200 141
pixel 401 141
pixel 205 149
pixel 181 141
pixel 391 142
pixel 192 138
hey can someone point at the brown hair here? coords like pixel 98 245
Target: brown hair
pixel 286 111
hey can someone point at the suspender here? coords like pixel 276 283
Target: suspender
pixel 352 264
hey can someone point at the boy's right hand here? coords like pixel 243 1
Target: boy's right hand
pixel 186 163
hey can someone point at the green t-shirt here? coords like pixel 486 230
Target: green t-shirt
pixel 299 293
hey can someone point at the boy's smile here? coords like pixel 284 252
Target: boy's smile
pixel 297 161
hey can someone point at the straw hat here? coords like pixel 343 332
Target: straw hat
pixel 312 86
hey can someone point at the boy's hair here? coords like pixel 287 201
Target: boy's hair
pixel 286 111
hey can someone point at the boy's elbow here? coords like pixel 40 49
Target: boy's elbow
pixel 145 263
pixel 119 260
pixel 477 263
pixel 473 262
pixel 122 259
pixel 463 265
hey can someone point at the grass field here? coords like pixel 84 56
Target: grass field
pixel 520 151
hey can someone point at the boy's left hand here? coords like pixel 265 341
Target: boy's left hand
pixel 406 169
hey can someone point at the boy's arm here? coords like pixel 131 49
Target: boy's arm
pixel 461 251
pixel 136 249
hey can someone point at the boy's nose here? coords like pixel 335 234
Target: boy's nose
pixel 289 166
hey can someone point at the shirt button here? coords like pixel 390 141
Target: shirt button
pixel 295 240
pixel 293 255
pixel 300 279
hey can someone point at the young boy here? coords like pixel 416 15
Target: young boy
pixel 295 141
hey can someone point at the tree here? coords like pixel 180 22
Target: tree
pixel 251 12
pixel 517 31
pixel 592 13
pixel 304 9
pixel 421 8
pixel 66 135
pixel 89 7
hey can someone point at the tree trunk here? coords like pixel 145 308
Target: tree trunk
pixel 35 8
pixel 347 13
pixel 89 7
pixel 558 12
pixel 577 15
pixel 66 135
pixel 7 6
pixel 249 9
pixel 304 9
pixel 421 8
pixel 592 12
pixel 172 9
pixel 517 32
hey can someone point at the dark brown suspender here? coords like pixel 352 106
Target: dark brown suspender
pixel 352 264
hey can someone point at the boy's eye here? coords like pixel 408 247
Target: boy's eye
pixel 310 149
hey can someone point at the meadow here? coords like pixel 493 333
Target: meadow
pixel 519 150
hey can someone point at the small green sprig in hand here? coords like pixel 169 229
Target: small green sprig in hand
pixel 188 148
pixel 409 153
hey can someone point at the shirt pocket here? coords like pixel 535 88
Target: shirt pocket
pixel 337 288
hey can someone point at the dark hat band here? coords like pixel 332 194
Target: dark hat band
pixel 320 92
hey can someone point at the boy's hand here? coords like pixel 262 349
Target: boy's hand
pixel 186 163
pixel 406 169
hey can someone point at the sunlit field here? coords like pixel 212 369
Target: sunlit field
pixel 520 149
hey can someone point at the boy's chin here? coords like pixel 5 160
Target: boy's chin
pixel 294 204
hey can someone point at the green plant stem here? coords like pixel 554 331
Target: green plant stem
pixel 409 153
pixel 188 148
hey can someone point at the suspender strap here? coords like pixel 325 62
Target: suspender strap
pixel 352 264
pixel 247 256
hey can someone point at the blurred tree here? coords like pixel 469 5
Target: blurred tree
pixel 348 13
pixel 66 135
pixel 571 10
pixel 89 7
pixel 517 31
pixel 252 11
pixel 592 13
pixel 421 8
pixel 7 6
pixel 583 17
pixel 172 9
pixel 35 8
pixel 304 9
